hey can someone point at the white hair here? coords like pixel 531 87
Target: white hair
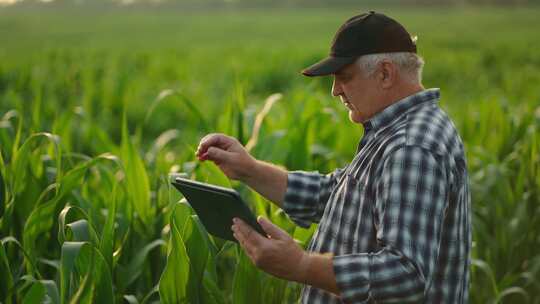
pixel 409 64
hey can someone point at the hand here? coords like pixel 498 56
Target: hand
pixel 228 154
pixel 278 254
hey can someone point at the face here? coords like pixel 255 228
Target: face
pixel 360 94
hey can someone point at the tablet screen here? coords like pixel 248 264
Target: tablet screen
pixel 216 207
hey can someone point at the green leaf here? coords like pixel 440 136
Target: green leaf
pixel 27 258
pixel 303 235
pixel 197 249
pixel 135 267
pixel 211 293
pixel 79 230
pixel 23 155
pixel 207 239
pixel 278 217
pixel 163 95
pixel 518 291
pixel 7 138
pixel 41 291
pixel 246 274
pixel 70 252
pixel 173 284
pixel 131 299
pixel 95 286
pixel 40 221
pixel 2 187
pixel 106 245
pixel 193 252
pixel 150 294
pixel 138 185
pixel 274 289
pixel 85 292
pixel 51 291
pixel 486 269
pixel 36 294
pixel 210 173
pixel 298 159
pixel 5 277
pixel 42 217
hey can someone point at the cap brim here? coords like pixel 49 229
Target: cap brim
pixel 328 66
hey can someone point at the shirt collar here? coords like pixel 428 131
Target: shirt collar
pixel 400 107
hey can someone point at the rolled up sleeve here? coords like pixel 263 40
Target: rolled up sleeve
pixel 307 194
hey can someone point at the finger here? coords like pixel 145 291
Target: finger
pixel 238 237
pixel 251 237
pixel 205 142
pixel 204 139
pixel 243 245
pixel 213 139
pixel 271 229
pixel 217 155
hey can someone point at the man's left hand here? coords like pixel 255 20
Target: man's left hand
pixel 278 254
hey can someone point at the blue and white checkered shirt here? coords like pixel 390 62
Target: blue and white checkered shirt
pixel 398 217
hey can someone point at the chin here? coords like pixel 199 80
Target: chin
pixel 356 117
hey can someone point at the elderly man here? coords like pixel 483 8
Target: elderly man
pixel 395 223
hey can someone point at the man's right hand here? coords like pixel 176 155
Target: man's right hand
pixel 234 160
pixel 228 154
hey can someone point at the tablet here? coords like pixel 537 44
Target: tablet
pixel 216 207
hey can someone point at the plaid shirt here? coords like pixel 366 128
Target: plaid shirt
pixel 397 218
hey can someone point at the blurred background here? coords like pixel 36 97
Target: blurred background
pixel 101 100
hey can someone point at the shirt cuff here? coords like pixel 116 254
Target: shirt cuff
pixel 302 196
pixel 353 277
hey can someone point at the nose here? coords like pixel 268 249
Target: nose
pixel 336 88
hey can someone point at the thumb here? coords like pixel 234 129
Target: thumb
pixel 217 155
pixel 271 229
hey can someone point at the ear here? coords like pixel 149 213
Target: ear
pixel 388 74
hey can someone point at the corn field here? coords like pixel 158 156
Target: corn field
pixel 99 108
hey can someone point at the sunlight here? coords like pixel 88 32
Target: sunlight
pixel 8 2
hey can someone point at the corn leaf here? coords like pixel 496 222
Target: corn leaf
pixel 36 294
pixel 51 291
pixel 173 284
pixel 23 155
pixel 246 275
pixel 41 291
pixel 5 277
pixel 41 219
pixel 138 185
pixel 210 173
pixel 106 244
pixel 131 299
pixel 2 187
pixel 134 269
pixel 95 286
pixel 211 293
pixel 80 230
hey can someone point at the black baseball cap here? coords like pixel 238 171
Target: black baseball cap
pixel 368 33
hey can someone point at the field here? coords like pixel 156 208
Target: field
pixel 98 106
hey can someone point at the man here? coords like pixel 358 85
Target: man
pixel 394 224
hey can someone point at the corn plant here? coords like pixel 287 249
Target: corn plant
pixel 90 133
